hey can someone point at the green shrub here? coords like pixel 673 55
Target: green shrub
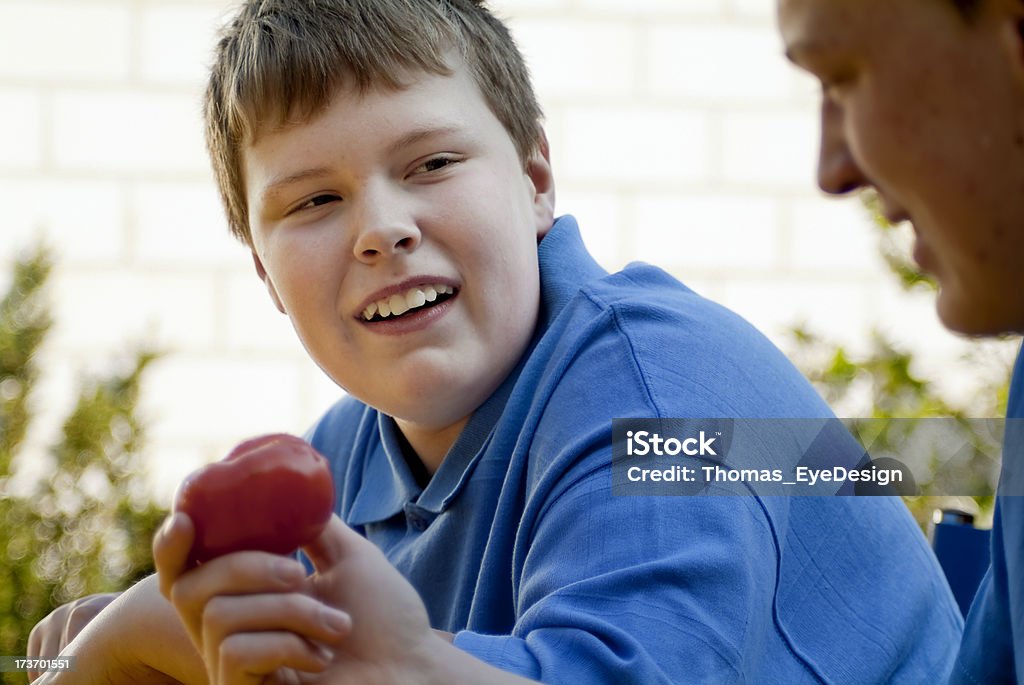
pixel 87 527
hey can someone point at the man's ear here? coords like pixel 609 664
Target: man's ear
pixel 265 277
pixel 538 169
pixel 1012 21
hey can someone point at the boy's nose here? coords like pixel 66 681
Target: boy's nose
pixel 385 243
pixel 838 172
pixel 385 234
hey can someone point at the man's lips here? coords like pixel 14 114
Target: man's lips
pixel 892 212
pixel 922 255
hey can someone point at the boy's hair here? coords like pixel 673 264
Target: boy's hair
pixel 279 62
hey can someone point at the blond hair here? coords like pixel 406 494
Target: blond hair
pixel 279 62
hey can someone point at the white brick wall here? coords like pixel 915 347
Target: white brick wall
pixel 50 41
pixel 679 136
pixel 21 135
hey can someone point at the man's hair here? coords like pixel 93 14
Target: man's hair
pixel 968 8
pixel 279 62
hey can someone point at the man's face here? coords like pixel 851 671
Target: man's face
pixel 396 200
pixel 928 109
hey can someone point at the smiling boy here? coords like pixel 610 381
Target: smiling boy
pixel 380 200
pixel 385 163
pixel 923 101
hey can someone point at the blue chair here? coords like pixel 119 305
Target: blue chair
pixel 963 553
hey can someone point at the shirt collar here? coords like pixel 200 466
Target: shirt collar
pixel 388 486
pixel 564 265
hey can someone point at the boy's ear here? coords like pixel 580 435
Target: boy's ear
pixel 265 277
pixel 538 169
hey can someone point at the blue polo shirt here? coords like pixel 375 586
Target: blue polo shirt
pixel 993 644
pixel 518 546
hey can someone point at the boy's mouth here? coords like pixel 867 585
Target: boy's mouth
pixel 411 300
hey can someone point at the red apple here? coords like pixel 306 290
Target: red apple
pixel 273 493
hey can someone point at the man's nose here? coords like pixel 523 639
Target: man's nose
pixel 838 172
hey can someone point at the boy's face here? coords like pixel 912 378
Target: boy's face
pixel 928 109
pixel 403 199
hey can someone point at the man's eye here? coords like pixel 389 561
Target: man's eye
pixel 833 86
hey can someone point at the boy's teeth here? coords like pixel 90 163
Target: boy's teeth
pixel 400 303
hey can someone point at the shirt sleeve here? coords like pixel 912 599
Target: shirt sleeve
pixel 986 653
pixel 637 589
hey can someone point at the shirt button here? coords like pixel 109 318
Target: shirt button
pixel 418 523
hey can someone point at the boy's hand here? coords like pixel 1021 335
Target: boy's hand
pixel 256 618
pixel 50 636
pixel 135 640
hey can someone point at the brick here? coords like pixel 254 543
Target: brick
pixel 21 135
pixel 100 310
pixel 579 58
pixel 52 40
pixel 708 232
pixel 177 41
pixel 770 148
pixel 907 318
pixel 716 61
pixel 656 8
pixel 217 398
pixel 251 321
pixel 183 224
pixel 128 131
pixel 753 9
pixel 319 393
pixel 54 394
pixel 511 8
pixel 838 309
pixel 23 223
pixel 81 221
pixel 635 144
pixel 831 234
pixel 167 464
pixel 602 222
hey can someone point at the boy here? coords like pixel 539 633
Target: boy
pixel 385 163
pixel 923 100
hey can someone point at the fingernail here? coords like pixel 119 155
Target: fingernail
pixel 289 572
pixel 336 621
pixel 325 654
pixel 168 525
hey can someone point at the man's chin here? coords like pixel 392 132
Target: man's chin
pixel 967 316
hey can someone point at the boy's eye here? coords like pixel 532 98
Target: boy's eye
pixel 434 164
pixel 316 202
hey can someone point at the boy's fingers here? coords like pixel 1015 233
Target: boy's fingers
pixel 334 543
pixel 247 658
pixel 171 546
pixel 81 612
pixel 240 573
pixel 294 612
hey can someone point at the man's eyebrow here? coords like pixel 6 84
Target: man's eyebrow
pixel 278 184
